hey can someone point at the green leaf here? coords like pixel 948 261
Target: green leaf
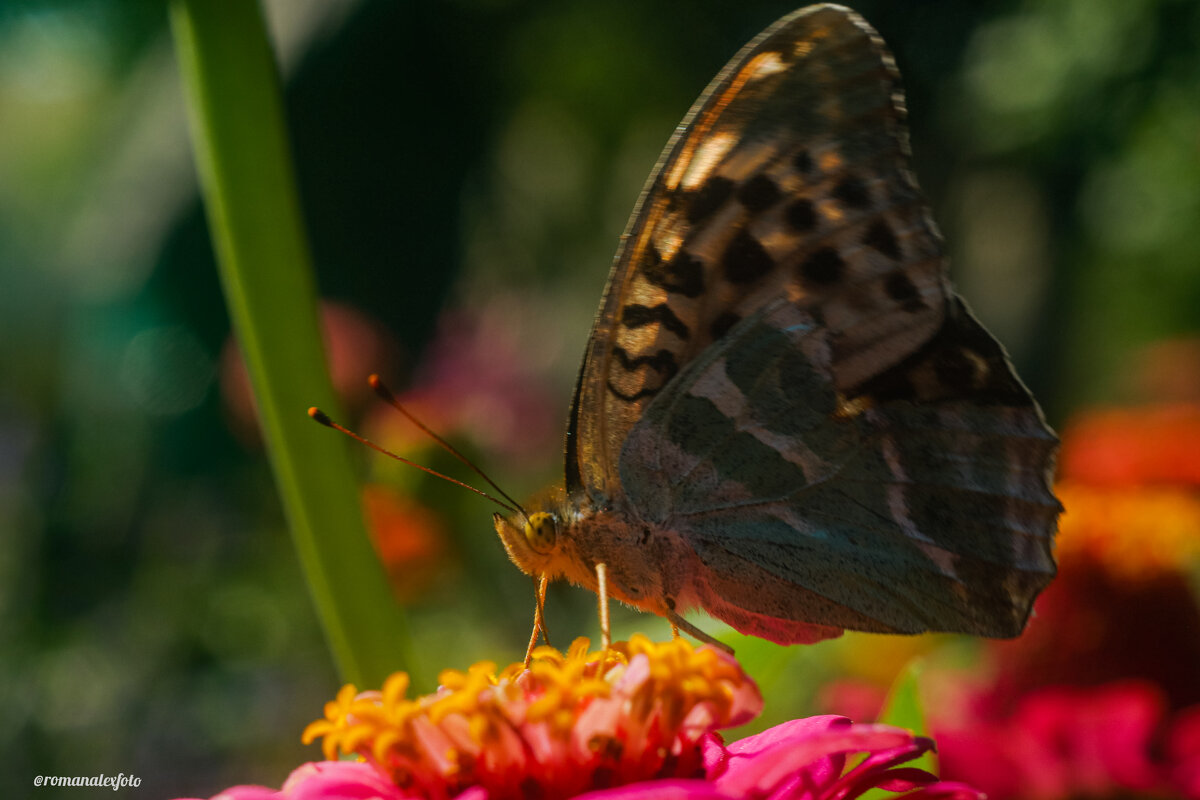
pixel 242 155
pixel 902 707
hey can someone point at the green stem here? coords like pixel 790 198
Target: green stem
pixel 239 137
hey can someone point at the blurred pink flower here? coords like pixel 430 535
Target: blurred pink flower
pixel 644 726
pixel 1079 742
pixel 853 697
pixel 476 379
pixel 356 345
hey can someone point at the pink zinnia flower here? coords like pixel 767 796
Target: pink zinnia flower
pixel 636 721
pixel 1064 742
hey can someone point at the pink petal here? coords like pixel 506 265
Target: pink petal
pixel 474 793
pixel 714 756
pixel 702 719
pixel 786 732
pixel 886 759
pixel 946 790
pixel 637 672
pixel 338 780
pixel 245 792
pixel 876 766
pixel 599 720
pixel 675 789
pixel 818 755
pixel 814 747
pixel 903 779
pixel 747 702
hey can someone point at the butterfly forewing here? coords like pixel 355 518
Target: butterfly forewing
pixel 788 178
pixel 785 415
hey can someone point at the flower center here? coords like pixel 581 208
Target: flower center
pixel 573 721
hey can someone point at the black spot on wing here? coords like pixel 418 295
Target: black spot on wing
pixel 663 362
pixel 956 369
pixel 822 268
pixel 852 192
pixel 802 162
pixel 709 197
pixel 645 391
pixel 683 274
pixel 881 237
pixel 721 325
pixel 900 288
pixel 984 377
pixel 637 316
pixel 745 260
pixel 759 193
pixel 801 215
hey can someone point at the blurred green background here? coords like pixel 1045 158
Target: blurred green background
pixel 466 168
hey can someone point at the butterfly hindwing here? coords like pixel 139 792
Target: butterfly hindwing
pixel 785 415
pixel 788 178
pixel 899 516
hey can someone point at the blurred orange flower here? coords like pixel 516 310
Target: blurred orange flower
pixel 1135 533
pixel 1122 447
pixel 409 538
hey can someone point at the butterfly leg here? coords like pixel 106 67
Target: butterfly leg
pixel 533 637
pixel 539 619
pixel 678 622
pixel 602 593
pixel 539 613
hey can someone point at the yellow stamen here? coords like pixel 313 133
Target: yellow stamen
pixel 479 716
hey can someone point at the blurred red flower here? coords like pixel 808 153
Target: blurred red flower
pixel 475 380
pixel 1067 742
pixel 1101 695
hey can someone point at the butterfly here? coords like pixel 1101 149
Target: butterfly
pixel 785 415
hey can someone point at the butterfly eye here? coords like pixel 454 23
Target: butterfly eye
pixel 540 532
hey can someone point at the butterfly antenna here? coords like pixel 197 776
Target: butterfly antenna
pixel 386 395
pixel 323 418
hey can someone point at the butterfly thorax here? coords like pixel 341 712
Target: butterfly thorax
pixel 566 537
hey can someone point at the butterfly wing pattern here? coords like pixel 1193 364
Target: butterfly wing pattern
pixel 785 414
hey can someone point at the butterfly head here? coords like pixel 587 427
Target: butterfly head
pixel 531 541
